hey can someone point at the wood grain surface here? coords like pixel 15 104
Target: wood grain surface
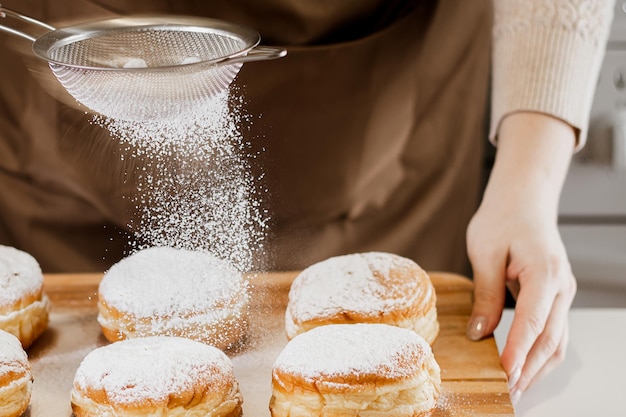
pixel 473 382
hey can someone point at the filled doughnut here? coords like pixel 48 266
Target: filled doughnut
pixel 371 287
pixel 24 306
pixel 361 370
pixel 156 376
pixel 16 381
pixel 174 292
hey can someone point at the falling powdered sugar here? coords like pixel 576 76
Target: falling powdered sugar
pixel 193 186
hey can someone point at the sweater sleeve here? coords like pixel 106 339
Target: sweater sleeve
pixel 546 58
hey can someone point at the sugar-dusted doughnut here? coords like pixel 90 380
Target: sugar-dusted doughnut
pixel 174 292
pixel 370 287
pixel 24 306
pixel 16 380
pixel 156 376
pixel 367 370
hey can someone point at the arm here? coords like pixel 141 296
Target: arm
pixel 546 59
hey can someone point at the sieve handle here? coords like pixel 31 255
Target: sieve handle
pixel 259 53
pixel 4 13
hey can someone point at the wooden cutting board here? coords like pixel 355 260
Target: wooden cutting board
pixel 473 382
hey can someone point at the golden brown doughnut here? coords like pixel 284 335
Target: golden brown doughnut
pixel 16 381
pixel 156 376
pixel 174 292
pixel 24 306
pixel 366 370
pixel 371 287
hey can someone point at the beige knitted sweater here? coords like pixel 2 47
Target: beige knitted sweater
pixel 546 58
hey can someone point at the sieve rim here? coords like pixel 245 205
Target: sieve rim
pixel 48 42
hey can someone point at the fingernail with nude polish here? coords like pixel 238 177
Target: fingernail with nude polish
pixel 514 377
pixel 476 328
pixel 515 396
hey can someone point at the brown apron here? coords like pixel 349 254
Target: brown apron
pixel 370 134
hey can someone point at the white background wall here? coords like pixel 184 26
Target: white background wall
pixel 593 203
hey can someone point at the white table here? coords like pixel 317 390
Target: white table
pixel 590 382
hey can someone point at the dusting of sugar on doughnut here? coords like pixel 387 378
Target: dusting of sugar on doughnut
pixel 156 282
pixel 358 282
pixel 354 350
pixel 20 275
pixel 152 369
pixel 13 358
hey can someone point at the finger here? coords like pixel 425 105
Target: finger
pixel 489 293
pixel 516 389
pixel 557 358
pixel 533 308
pixel 548 351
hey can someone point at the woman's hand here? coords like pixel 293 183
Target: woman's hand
pixel 513 241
